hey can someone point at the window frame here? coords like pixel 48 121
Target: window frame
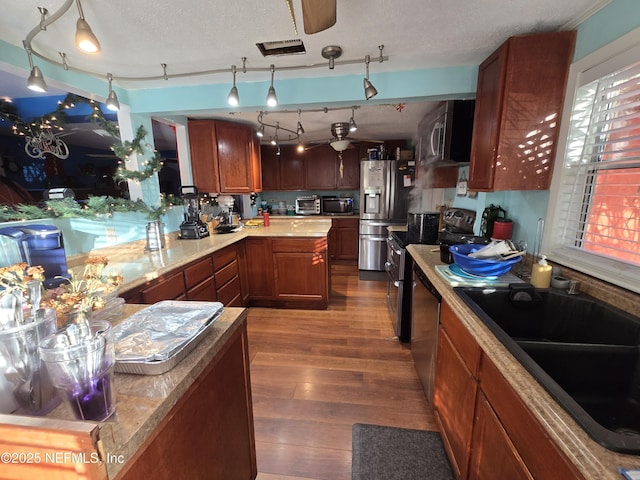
pixel 613 56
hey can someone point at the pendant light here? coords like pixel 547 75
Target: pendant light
pixel 233 99
pixel 369 90
pixel 272 99
pixel 36 79
pixel 112 102
pixel 85 39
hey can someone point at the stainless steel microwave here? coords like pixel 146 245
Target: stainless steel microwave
pixel 308 205
pixel 337 205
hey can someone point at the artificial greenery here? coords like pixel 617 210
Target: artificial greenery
pixel 94 206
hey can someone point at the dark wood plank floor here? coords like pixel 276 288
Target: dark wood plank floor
pixel 316 373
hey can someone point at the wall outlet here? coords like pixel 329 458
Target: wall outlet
pixel 110 233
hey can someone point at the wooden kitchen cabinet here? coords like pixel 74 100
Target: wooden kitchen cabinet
pixel 224 157
pixel 519 103
pixel 320 168
pixel 349 177
pixel 487 430
pixel 168 287
pixel 343 239
pixel 456 386
pixel 288 272
pixel 227 277
pixel 199 282
pixel 284 171
pixel 209 432
pixel 501 460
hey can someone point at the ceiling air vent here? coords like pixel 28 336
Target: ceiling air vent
pixel 283 47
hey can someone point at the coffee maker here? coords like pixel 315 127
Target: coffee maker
pixel 192 227
pixel 41 245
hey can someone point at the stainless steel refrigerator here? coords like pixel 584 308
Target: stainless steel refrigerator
pixel 384 191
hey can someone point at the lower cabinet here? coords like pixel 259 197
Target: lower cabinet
pixel 288 272
pixel 343 239
pixel 487 430
pixel 209 432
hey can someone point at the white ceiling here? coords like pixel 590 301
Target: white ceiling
pixel 138 36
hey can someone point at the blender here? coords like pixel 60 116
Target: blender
pixel 192 227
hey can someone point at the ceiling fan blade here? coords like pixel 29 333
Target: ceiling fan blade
pixel 318 15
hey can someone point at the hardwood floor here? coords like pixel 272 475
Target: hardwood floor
pixel 314 373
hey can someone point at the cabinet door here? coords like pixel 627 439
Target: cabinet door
pixel 486 120
pixel 270 168
pixel 518 109
pixel 256 163
pixel 494 456
pixel 300 275
pixel 235 145
pixel 203 292
pixel 454 401
pixel 291 168
pixel 204 155
pixel 349 173
pixel 259 260
pixel 320 168
pixel 344 236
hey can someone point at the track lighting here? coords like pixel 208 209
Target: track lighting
pixel 233 99
pixel 299 129
pixel 272 100
pixel 36 79
pixel 369 90
pixel 260 131
pixel 352 123
pixel 112 102
pixel 85 39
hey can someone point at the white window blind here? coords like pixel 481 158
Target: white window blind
pixel 597 204
pixel 603 167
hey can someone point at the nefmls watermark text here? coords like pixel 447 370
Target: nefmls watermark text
pixel 59 457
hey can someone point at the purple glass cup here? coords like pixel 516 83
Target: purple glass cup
pixel 80 362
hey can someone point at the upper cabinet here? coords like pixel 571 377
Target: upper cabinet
pixel 225 157
pixel 519 102
pixel 319 168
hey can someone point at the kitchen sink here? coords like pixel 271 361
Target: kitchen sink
pixel 584 352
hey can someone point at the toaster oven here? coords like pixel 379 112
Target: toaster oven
pixel 308 205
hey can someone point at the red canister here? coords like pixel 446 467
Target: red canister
pixel 502 229
pixel 265 217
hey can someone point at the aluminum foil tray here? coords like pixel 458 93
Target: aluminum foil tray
pixel 169 330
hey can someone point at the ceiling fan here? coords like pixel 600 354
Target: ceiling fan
pixel 317 15
pixel 340 141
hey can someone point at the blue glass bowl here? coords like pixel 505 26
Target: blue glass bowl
pixel 480 266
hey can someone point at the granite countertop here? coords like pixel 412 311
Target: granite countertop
pixel 143 401
pixel 138 266
pixel 590 458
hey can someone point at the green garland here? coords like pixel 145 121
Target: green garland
pixel 94 206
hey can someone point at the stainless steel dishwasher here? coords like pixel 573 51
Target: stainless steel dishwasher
pixel 425 318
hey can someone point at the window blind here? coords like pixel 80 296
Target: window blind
pixel 599 197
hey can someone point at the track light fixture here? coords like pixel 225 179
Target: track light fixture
pixel 233 99
pixel 85 39
pixel 272 100
pixel 352 123
pixel 36 79
pixel 112 102
pixel 369 90
pixel 299 129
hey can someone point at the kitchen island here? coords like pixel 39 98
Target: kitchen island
pixel 560 434
pixel 194 421
pixel 284 265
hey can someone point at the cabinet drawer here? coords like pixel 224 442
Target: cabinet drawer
pixel 296 245
pixel 226 273
pixel 463 340
pixel 223 257
pixel 204 292
pixel 169 288
pixel 197 272
pixel 227 293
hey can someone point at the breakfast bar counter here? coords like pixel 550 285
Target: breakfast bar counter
pixel 590 459
pixel 194 421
